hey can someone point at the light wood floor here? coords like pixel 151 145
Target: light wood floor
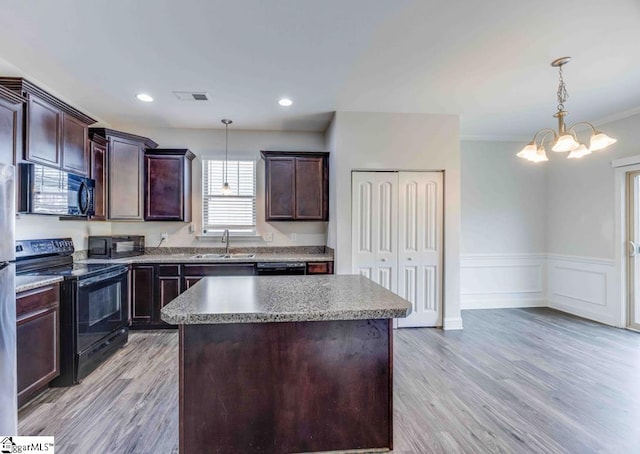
pixel 515 380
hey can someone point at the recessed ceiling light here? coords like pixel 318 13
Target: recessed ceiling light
pixel 144 97
pixel 285 102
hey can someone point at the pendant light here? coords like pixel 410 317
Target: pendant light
pixel 564 139
pixel 226 189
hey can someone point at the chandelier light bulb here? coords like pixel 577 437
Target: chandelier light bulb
pixel 540 156
pixel 528 152
pixel 579 152
pixel 565 143
pixel 600 141
pixel 226 189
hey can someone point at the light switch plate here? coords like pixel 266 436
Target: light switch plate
pixel 294 237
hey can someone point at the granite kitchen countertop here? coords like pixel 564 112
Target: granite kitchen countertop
pixel 24 283
pixel 260 299
pixel 192 258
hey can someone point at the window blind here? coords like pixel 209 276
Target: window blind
pixel 236 211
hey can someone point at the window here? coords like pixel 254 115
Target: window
pixel 236 211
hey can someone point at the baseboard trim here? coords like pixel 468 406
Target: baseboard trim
pixel 475 304
pixel 451 324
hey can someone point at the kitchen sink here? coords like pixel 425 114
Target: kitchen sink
pixel 223 256
pixel 208 256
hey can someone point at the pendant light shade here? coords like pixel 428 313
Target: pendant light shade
pixel 564 139
pixel 579 152
pixel 565 143
pixel 528 151
pixel 226 189
pixel 540 156
pixel 600 141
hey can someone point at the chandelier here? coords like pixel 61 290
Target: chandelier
pixel 565 139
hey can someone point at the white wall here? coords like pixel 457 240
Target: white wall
pixel 384 141
pixel 581 196
pixel 32 226
pixel 584 277
pixel 503 200
pixel 503 238
pixel 242 145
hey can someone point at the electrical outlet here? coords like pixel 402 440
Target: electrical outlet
pixel 192 228
pixel 164 236
pixel 267 236
pixel 294 237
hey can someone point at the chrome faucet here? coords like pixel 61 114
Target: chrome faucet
pixel 225 239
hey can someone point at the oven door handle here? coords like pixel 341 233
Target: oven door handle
pixel 102 277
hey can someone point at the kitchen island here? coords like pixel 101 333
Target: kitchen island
pixel 285 364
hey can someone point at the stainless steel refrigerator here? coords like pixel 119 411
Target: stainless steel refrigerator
pixel 8 371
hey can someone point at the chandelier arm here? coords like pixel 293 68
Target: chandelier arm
pixel 593 129
pixel 547 130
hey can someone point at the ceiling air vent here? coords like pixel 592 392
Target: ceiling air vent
pixel 192 95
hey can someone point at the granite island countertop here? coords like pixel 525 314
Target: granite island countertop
pixel 261 299
pixel 24 283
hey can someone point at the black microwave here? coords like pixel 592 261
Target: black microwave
pixel 113 247
pixel 44 190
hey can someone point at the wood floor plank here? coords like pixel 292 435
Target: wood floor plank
pixel 514 381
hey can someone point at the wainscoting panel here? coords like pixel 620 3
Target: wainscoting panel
pixel 583 286
pixel 491 281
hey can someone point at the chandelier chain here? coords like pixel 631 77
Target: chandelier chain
pixel 563 95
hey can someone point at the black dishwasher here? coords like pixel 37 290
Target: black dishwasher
pixel 281 268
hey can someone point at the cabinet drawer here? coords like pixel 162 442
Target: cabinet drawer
pixel 169 270
pixel 37 300
pixel 320 268
pixel 220 269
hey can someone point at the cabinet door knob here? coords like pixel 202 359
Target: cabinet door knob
pixel 383 260
pixel 409 258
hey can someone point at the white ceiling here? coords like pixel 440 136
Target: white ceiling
pixel 487 61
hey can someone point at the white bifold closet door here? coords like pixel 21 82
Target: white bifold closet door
pixel 398 240
pixel 375 227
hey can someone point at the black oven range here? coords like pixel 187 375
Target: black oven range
pixel 94 304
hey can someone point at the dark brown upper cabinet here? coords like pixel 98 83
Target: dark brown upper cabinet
pixel 167 193
pixel 56 134
pixel 10 125
pixel 75 146
pixel 98 172
pixel 297 186
pixel 125 158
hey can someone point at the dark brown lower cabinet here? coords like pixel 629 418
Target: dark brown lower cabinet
pixel 142 295
pixel 194 272
pixel 286 387
pixel 169 285
pixel 38 340
pixel 152 288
